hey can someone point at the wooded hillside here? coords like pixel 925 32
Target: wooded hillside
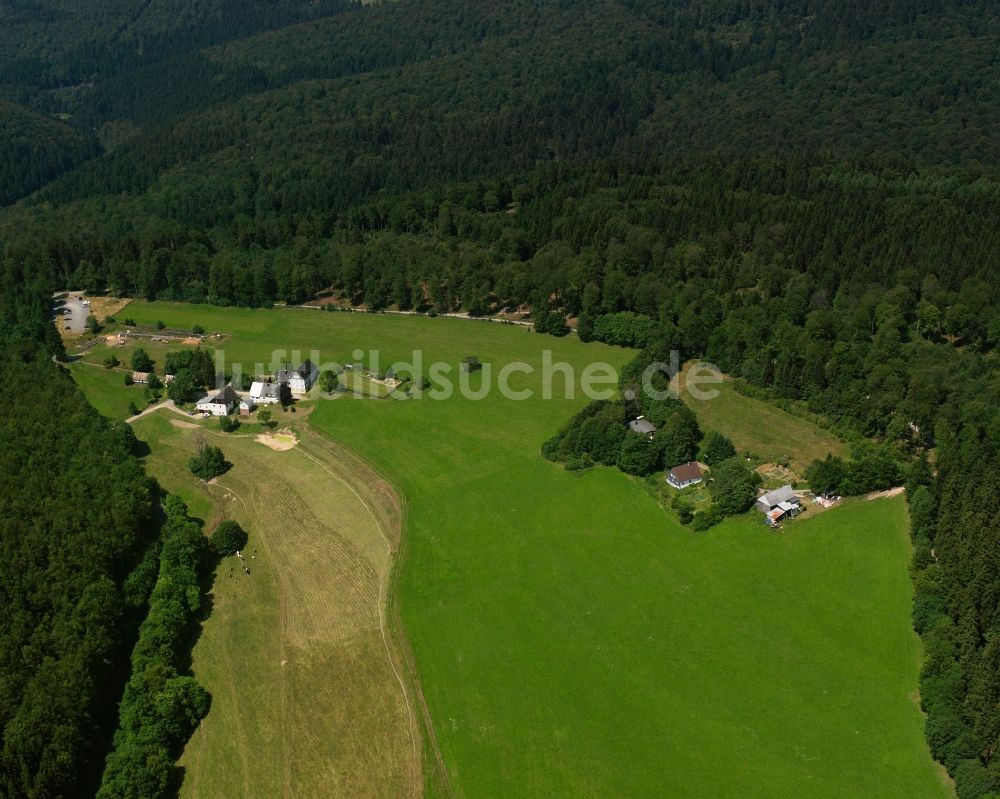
pixel 77 536
pixel 805 193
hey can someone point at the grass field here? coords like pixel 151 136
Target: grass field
pixel 571 639
pixel 769 433
pixel 106 389
pixel 305 701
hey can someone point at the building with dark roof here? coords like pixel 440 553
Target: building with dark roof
pixel 687 474
pixel 221 404
pixel 300 379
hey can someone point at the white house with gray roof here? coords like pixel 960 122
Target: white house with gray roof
pixel 265 393
pixel 220 404
pixel 301 378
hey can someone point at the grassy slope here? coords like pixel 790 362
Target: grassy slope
pixel 572 640
pixel 304 702
pixel 767 431
pixel 106 389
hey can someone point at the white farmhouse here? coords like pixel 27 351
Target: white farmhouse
pixel 221 404
pixel 265 393
pixel 687 474
pixel 299 380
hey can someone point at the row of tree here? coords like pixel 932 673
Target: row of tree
pixel 956 534
pixel 88 574
pixel 162 704
pixel 870 468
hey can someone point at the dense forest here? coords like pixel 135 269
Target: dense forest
pixel 98 593
pixel 34 149
pixel 804 193
pixel 77 557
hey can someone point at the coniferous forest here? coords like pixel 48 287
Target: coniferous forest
pixel 806 194
pixel 78 539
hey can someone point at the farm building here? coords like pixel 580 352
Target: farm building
pixel 140 377
pixel 687 474
pixel 781 511
pixel 769 501
pixel 299 380
pixel 642 426
pixel 265 393
pixel 221 404
pixel 247 406
pixel 779 504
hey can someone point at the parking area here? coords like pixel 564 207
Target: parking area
pixel 73 310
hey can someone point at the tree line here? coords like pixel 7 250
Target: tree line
pixel 646 79
pixel 77 556
pixel 162 704
pixel 99 595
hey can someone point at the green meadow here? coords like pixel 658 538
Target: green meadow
pixel 571 639
pixel 106 389
pixel 767 432
pixel 304 702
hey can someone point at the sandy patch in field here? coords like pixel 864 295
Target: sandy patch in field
pixel 282 441
pixel 892 492
pixel 103 307
pixel 192 341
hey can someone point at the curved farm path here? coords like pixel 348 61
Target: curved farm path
pixel 312 695
pixel 382 602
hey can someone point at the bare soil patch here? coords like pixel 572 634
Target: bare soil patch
pixel 775 472
pixel 103 307
pixel 281 441
pixel 891 492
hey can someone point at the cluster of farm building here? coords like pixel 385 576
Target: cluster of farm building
pixel 777 505
pixel 296 382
